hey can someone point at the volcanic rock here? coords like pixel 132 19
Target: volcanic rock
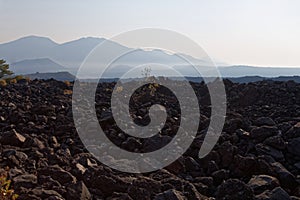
pixel 12 138
pixel 256 157
pixel 262 183
pixel 259 134
pixel 293 146
pixel 78 191
pixel 170 195
pixel 234 189
pixel 276 194
pixel 264 121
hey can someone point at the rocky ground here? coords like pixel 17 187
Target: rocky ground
pixel 256 157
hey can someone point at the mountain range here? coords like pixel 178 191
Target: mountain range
pixel 33 54
pixel 41 65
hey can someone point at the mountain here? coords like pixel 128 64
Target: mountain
pixel 40 65
pixel 30 47
pixel 40 54
pixel 72 54
pixel 60 76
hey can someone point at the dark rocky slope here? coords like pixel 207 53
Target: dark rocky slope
pixel 257 155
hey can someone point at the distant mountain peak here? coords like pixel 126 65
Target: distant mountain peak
pixel 34 37
pixel 85 40
pixel 44 60
pixel 31 39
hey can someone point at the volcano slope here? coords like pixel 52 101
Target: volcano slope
pixel 256 157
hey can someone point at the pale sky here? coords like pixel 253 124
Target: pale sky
pixel 250 32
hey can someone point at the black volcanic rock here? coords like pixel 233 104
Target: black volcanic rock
pixel 264 121
pixel 58 174
pixel 277 194
pixel 256 157
pixel 12 138
pixel 293 132
pixel 276 142
pixel 259 134
pixel 170 195
pixel 294 146
pixel 234 189
pixel 286 178
pixel 262 183
pixel 78 191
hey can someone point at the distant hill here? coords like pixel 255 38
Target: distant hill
pixel 242 70
pixel 249 79
pixel 60 76
pixel 41 65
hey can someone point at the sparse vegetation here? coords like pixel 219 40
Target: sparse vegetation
pixel 3 82
pixel 19 77
pixel 4 69
pixel 67 83
pixel 13 81
pixel 68 92
pixel 153 87
pixel 6 192
pixel 146 73
pixel 5 73
pixel 119 89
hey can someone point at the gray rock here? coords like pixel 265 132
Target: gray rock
pixel 131 144
pixel 294 146
pixel 191 164
pixel 279 194
pixel 119 196
pixel 12 138
pixel 170 195
pixel 57 173
pixel 43 194
pixel 78 191
pixel 259 134
pixel 265 149
pixel 15 158
pixel 261 183
pixel 293 132
pixel 191 192
pixel 227 151
pixel 276 194
pixel 25 180
pixel 220 175
pixel 233 189
pixel 212 167
pixel 276 142
pixel 286 178
pixel 264 121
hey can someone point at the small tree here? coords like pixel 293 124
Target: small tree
pixel 4 69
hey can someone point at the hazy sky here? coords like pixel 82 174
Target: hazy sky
pixel 252 32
